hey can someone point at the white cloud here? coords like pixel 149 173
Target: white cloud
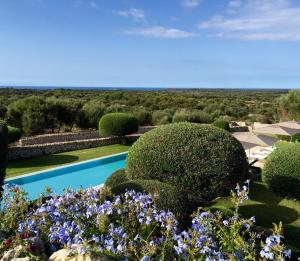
pixel 134 13
pixel 257 20
pixel 160 32
pixel 191 3
pixel 94 5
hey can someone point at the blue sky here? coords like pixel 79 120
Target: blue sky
pixel 152 43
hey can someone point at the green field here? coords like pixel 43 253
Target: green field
pixel 24 166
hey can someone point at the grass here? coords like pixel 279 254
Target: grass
pixel 25 166
pixel 269 208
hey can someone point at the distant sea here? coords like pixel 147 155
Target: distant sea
pixel 139 88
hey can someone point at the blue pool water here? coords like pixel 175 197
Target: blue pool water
pixel 75 176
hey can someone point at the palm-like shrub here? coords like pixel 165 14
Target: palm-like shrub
pixel 282 171
pixel 3 150
pixel 203 161
pixel 118 124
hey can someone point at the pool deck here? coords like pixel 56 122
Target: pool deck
pixel 62 167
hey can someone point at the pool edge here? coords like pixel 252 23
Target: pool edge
pixel 62 167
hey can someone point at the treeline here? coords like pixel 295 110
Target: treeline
pixel 40 111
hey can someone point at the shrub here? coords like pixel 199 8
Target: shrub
pixel 3 151
pixel 116 178
pixel 161 117
pixel 144 117
pixel 202 160
pixel 118 124
pixel 167 197
pixel 195 116
pixel 90 224
pixel 91 112
pixel 282 171
pixel 14 134
pixel 222 124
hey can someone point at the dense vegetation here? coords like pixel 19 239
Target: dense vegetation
pixel 197 162
pixel 93 225
pixel 3 151
pixel 282 171
pixel 118 124
pixel 289 106
pixel 39 111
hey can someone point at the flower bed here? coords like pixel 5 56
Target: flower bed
pixel 94 222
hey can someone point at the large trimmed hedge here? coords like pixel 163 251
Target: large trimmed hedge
pixel 167 197
pixel 118 124
pixel 204 161
pixel 282 171
pixel 3 151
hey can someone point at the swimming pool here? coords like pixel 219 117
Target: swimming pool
pixel 80 175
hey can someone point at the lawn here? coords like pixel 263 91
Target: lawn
pixel 268 209
pixel 24 166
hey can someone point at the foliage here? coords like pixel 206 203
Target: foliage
pixel 222 124
pixel 282 171
pixel 195 116
pixel 91 114
pixel 294 138
pixel 28 114
pixel 131 227
pixel 144 116
pixel 67 108
pixel 166 197
pixel 118 124
pixel 201 160
pixel 14 134
pixel 3 151
pixel 289 106
pixel 161 117
pixel 116 178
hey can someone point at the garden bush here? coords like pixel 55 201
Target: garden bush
pixel 116 178
pixel 282 171
pixel 166 197
pixel 118 124
pixel 130 226
pixel 3 151
pixel 222 124
pixel 204 161
pixel 161 117
pixel 14 134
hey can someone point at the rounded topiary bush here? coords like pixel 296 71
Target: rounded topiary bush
pixel 204 161
pixel 118 124
pixel 14 134
pixel 222 124
pixel 116 178
pixel 282 171
pixel 167 197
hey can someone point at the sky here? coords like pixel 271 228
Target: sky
pixel 150 43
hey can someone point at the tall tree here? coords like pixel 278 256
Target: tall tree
pixel 289 106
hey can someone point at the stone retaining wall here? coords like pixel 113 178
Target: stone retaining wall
pixel 30 151
pixel 68 136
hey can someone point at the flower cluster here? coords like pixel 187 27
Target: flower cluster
pixel 130 226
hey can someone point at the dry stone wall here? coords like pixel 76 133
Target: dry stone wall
pixel 30 151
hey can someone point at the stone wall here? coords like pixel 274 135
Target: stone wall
pixel 30 151
pixel 68 136
pixel 59 137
